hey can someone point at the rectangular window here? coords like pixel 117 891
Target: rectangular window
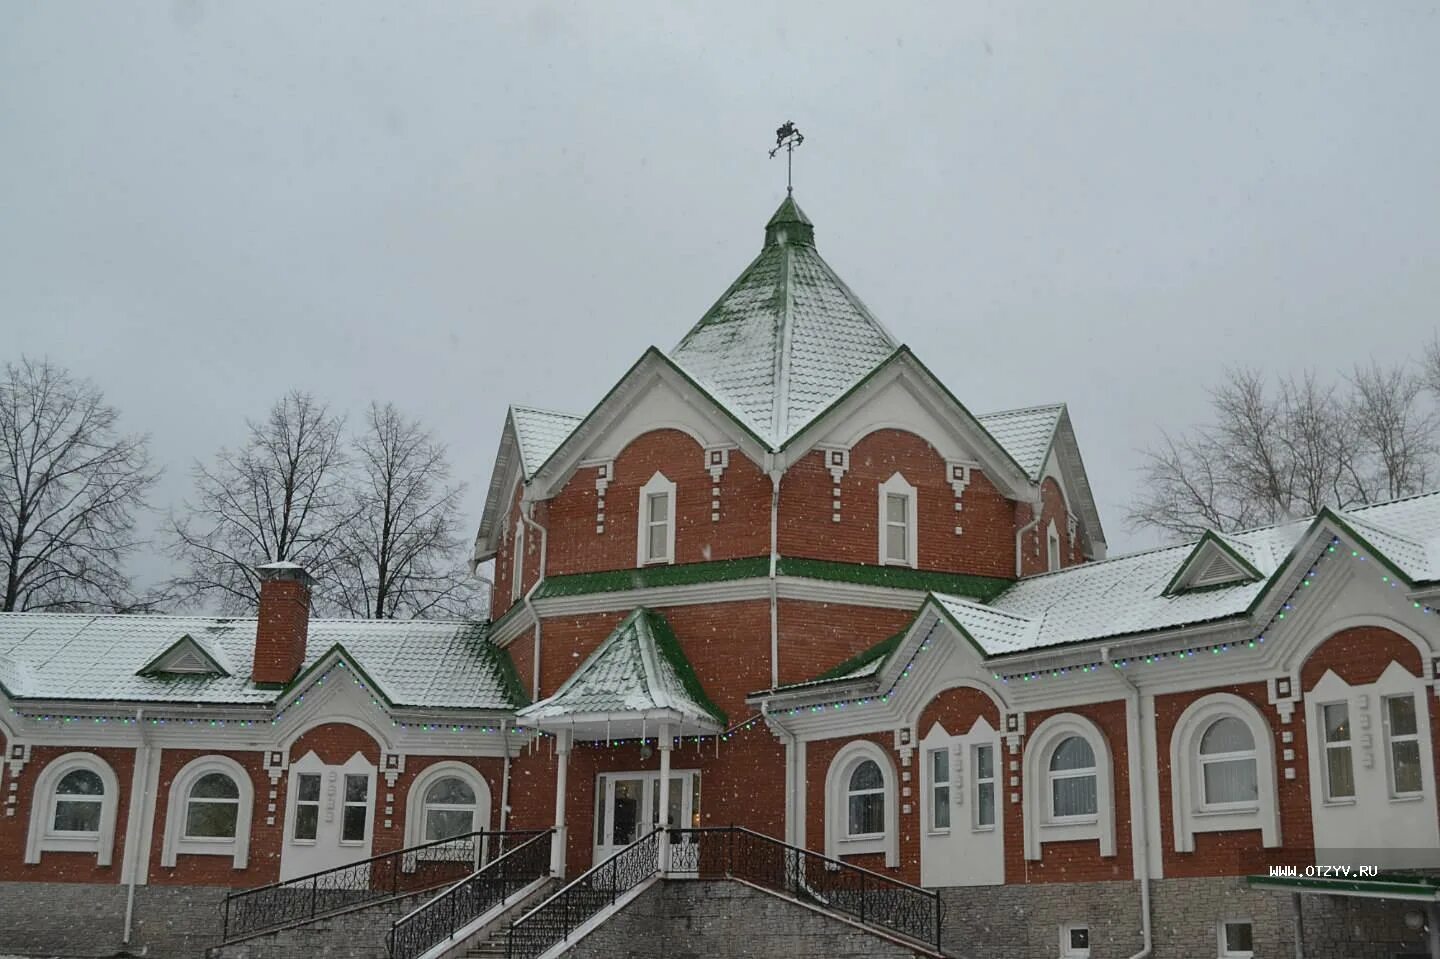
pixel 897 528
pixel 939 789
pixel 984 786
pixel 657 524
pixel 307 805
pixel 1054 552
pixel 1075 941
pixel 1339 764
pixel 1403 734
pixel 357 808
pixel 517 563
pixel 1236 939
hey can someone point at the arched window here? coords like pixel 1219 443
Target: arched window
pixel 449 809
pixel 1068 786
pixel 73 808
pixel 79 801
pixel 1222 771
pixel 208 811
pixel 860 806
pixel 1228 773
pixel 655 529
pixel 1073 787
pixel 865 802
pixel 212 807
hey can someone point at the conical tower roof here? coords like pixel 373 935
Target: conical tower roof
pixel 788 338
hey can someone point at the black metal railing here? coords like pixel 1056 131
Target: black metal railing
pixel 386 876
pixel 871 897
pixel 441 917
pixel 557 917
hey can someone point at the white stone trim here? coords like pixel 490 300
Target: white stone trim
pixel 415 798
pixel 1039 826
pixel 837 780
pixel 659 483
pixel 898 485
pixel 1188 812
pixel 42 838
pixel 176 811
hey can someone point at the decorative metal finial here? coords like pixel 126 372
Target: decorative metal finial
pixel 789 137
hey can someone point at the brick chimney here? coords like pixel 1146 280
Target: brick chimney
pixel 283 623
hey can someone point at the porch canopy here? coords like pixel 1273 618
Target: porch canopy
pixel 1419 888
pixel 637 684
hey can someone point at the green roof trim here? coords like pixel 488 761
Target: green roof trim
pixel 669 646
pixel 510 679
pixel 643 577
pixel 880 650
pixel 1391 885
pixel 980 588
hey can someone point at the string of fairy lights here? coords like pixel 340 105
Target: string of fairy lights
pixel 1332 552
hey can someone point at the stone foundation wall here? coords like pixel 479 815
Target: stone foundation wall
pixel 87 919
pixel 682 919
pixel 351 935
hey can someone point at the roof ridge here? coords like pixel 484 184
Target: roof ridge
pixel 547 412
pixel 1389 502
pixel 1022 409
pixel 947 597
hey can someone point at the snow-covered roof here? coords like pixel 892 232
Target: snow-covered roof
pixel 787 339
pixel 638 669
pixel 1127 594
pixel 77 656
pixel 1026 434
pixel 539 433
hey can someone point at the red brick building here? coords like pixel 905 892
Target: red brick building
pixel 782 577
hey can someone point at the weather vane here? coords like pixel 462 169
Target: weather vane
pixel 789 137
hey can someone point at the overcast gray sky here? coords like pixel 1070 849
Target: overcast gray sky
pixel 456 206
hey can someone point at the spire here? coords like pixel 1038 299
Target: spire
pixel 789 226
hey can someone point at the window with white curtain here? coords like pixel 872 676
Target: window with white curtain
pixel 1403 736
pixel 79 802
pixel 984 778
pixel 939 789
pixel 1339 758
pixel 1228 771
pixel 865 801
pixel 1073 790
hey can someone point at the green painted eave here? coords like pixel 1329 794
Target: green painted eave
pixel 879 651
pixel 979 588
pixel 1398 885
pixel 647 577
pixel 669 646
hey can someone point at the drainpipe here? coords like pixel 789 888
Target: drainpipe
pixel 505 777
pixel 529 595
pixel 775 477
pixel 139 796
pixel 792 793
pixel 1136 748
pixel 1037 508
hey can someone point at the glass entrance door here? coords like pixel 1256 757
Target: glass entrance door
pixel 627 806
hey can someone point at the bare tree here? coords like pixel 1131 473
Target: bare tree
pixel 1273 453
pixel 70 485
pixel 402 552
pixel 281 496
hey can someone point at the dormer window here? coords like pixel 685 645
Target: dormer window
pixel 897 522
pixel 656 532
pixel 187 656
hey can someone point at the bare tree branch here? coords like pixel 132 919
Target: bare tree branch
pixel 69 489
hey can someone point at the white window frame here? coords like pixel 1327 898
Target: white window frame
pixel 1052 548
pixel 897 485
pixel 1040 825
pixel 657 484
pixel 1070 952
pixel 1224 950
pixel 934 786
pixel 1081 772
pixel 42 835
pixel 1189 813
pixel 415 801
pixel 517 560
pixel 1326 745
pixel 979 782
pixel 177 844
pixel 318 771
pixel 837 804
pixel 1204 759
pixel 368 804
pixel 1391 739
